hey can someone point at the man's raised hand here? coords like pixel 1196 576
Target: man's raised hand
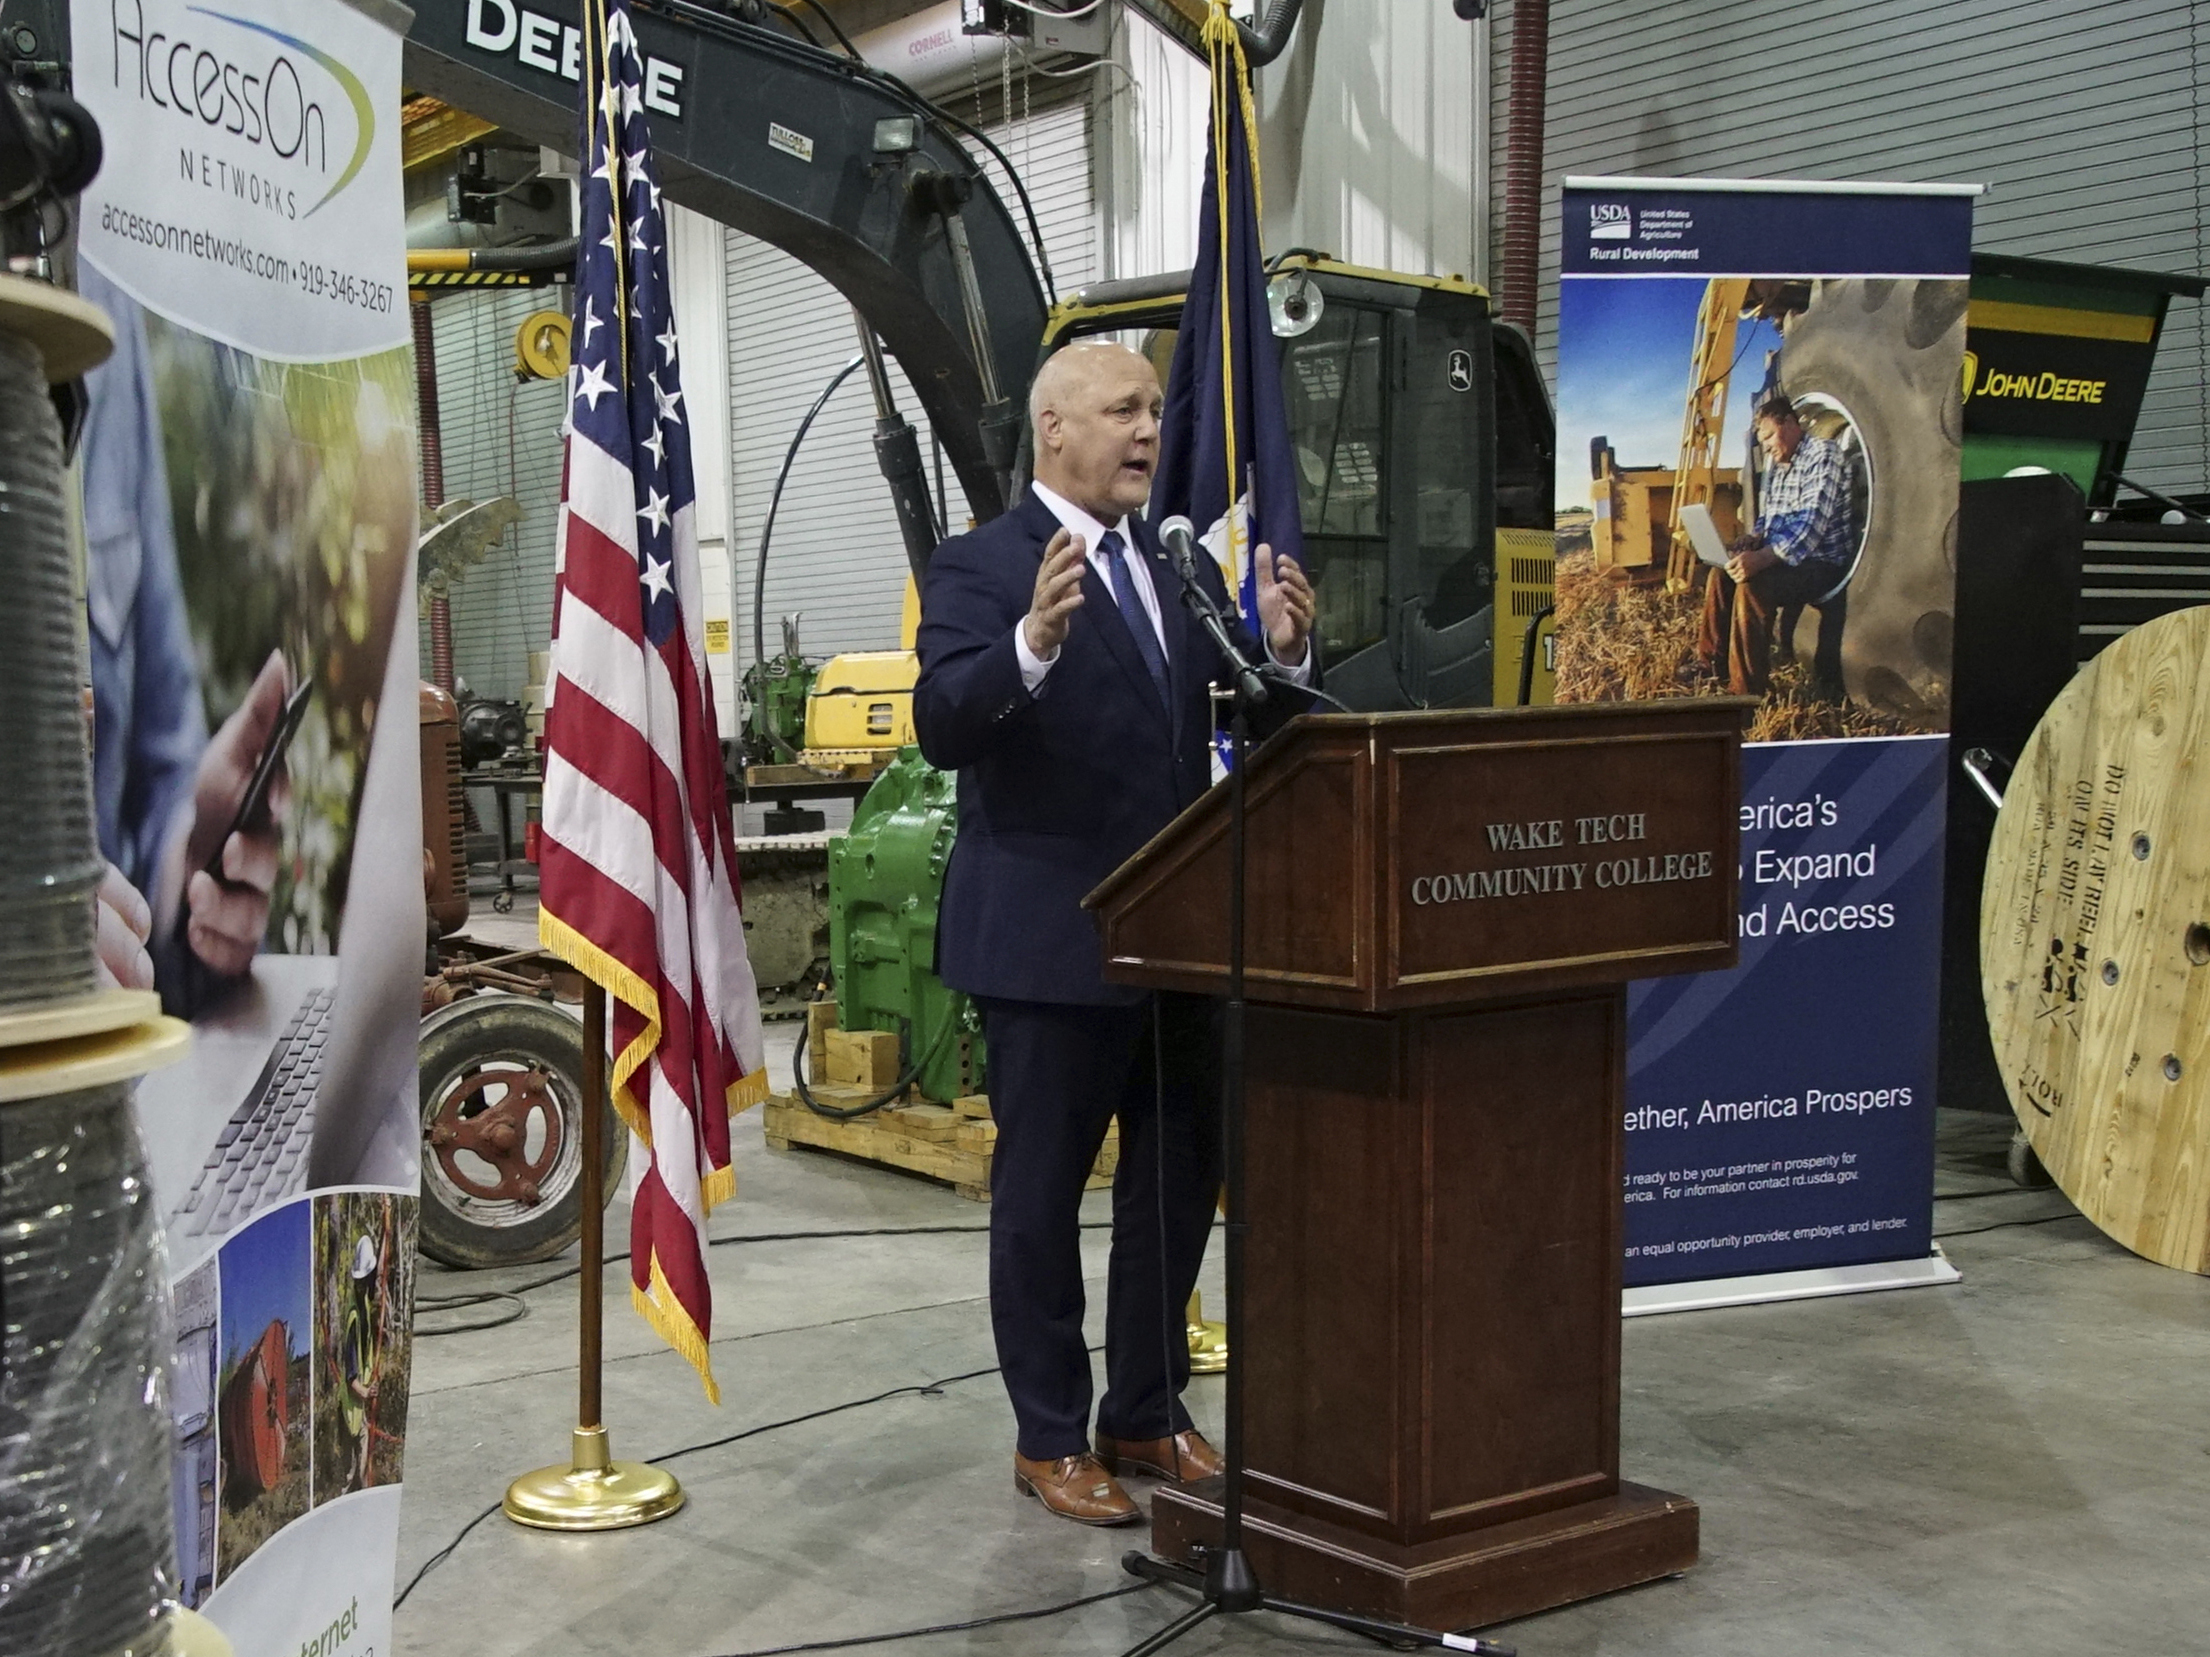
pixel 1058 595
pixel 1285 606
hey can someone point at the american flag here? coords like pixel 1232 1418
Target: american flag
pixel 638 865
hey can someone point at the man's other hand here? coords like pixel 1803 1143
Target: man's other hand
pixel 125 923
pixel 1751 561
pixel 1058 595
pixel 1285 606
pixel 227 918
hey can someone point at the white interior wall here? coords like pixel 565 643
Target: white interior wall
pixel 1373 142
pixel 1372 137
pixel 1151 111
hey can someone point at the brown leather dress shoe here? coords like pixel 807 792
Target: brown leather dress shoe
pixel 1077 1488
pixel 1183 1457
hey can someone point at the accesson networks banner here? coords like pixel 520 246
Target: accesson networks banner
pixel 1765 377
pixel 248 468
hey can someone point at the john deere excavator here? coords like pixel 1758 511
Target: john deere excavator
pixel 1422 430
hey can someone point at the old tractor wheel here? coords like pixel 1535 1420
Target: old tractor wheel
pixel 1883 356
pixel 502 1143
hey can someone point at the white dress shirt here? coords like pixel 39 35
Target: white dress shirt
pixel 1078 522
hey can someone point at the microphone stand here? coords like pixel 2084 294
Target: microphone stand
pixel 1227 1582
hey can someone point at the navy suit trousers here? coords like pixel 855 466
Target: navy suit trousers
pixel 1058 1075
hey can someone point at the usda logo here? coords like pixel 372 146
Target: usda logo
pixel 1610 221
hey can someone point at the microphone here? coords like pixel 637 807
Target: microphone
pixel 1179 536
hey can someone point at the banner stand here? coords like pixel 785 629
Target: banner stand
pixel 1818 1282
pixel 1767 377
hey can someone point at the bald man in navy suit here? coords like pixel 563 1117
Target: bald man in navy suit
pixel 1066 684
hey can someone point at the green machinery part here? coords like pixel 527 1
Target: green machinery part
pixel 775 694
pixel 886 883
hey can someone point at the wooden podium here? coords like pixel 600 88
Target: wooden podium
pixel 1444 911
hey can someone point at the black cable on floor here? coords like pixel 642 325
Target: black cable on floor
pixel 458 1303
pixel 438 1558
pixel 924 1389
pixel 2005 1225
pixel 998 1620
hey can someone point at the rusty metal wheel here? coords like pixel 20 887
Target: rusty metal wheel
pixel 502 1102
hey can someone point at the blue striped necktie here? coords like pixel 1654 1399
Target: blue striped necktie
pixel 1131 608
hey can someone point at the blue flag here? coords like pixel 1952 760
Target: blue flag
pixel 1224 453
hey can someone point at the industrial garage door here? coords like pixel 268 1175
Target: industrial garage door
pixel 2086 120
pixel 501 437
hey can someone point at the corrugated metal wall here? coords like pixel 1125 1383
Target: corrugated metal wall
pixel 500 437
pixel 836 557
pixel 2086 120
pixel 503 610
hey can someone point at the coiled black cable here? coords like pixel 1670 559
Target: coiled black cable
pixel 851 1113
pixel 49 861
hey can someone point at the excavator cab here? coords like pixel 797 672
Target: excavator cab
pixel 1423 440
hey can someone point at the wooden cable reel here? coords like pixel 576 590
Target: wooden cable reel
pixel 2095 941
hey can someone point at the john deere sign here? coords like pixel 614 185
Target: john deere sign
pixel 2044 384
pixel 2056 364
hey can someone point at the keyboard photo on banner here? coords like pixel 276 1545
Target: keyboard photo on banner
pixel 1766 378
pixel 250 477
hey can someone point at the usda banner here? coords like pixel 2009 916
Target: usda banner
pixel 248 468
pixel 1766 379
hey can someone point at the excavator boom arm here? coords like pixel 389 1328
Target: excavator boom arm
pixel 776 137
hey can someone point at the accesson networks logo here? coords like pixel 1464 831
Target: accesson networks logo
pixel 231 86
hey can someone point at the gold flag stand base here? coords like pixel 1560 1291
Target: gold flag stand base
pixel 593 1492
pixel 1208 1342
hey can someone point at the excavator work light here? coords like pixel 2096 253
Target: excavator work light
pixel 898 135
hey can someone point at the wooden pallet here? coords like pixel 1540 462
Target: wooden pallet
pixel 950 1143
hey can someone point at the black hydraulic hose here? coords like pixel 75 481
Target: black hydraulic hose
pixel 774 504
pixel 1028 208
pixel 1263 41
pixel 838 1113
pixel 736 14
pixel 2165 501
pixel 552 256
pixel 789 14
pixel 1266 42
pixel 835 28
pixel 560 255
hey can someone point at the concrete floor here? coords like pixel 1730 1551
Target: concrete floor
pixel 2021 1461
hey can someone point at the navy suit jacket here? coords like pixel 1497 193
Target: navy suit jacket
pixel 1056 790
